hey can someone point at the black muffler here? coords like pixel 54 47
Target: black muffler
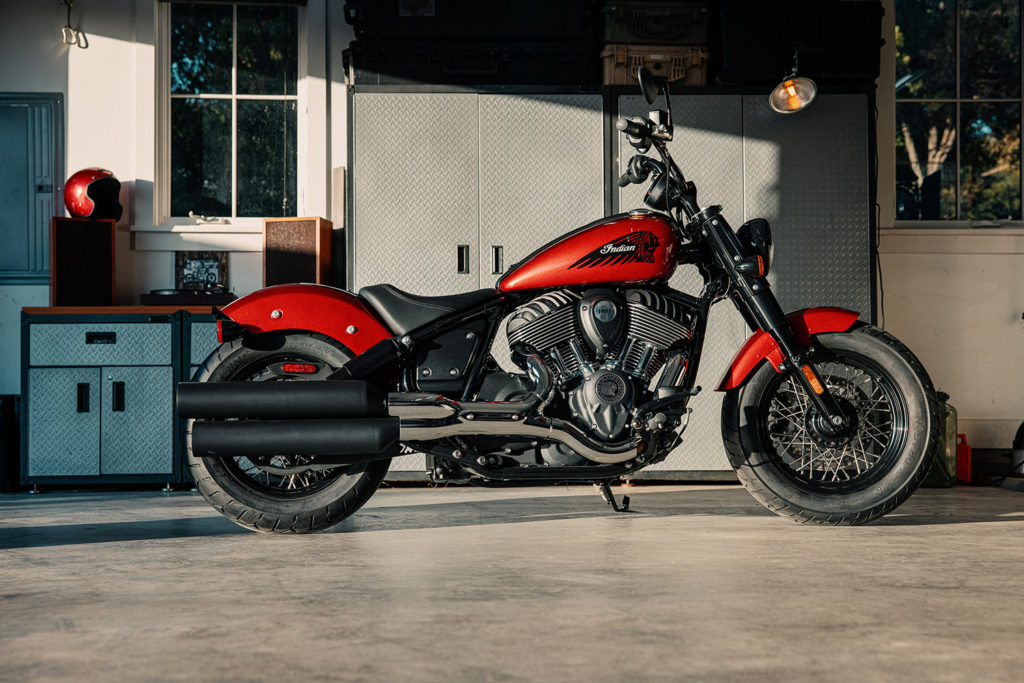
pixel 339 441
pixel 281 400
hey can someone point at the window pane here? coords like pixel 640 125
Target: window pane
pixel 990 161
pixel 925 161
pixel 267 50
pixel 200 157
pixel 200 48
pixel 266 158
pixel 925 48
pixel 989 48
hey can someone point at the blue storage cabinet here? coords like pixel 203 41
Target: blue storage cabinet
pixel 200 340
pixel 98 397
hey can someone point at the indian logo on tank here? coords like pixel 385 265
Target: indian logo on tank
pixel 636 247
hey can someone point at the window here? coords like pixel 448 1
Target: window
pixel 958 110
pixel 233 110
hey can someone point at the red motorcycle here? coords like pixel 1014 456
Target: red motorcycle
pixel 295 418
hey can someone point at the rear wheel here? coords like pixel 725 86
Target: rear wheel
pixel 789 460
pixel 281 493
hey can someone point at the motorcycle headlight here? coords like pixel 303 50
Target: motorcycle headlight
pixel 756 237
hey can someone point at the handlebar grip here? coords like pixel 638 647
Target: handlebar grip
pixel 625 179
pixel 632 128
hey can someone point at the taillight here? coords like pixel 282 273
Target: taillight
pixel 300 368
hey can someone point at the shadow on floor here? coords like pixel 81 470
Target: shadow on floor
pixel 114 532
pixel 952 506
pixel 644 502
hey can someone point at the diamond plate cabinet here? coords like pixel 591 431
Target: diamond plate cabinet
pixel 98 397
pixel 808 175
pixel 708 146
pixel 450 188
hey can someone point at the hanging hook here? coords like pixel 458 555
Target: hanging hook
pixel 69 35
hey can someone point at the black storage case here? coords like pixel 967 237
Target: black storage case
pixel 839 40
pixel 471 63
pixel 468 19
pixel 650 22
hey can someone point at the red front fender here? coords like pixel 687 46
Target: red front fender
pixel 313 308
pixel 761 346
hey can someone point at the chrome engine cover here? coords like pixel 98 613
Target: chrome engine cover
pixel 603 403
pixel 604 347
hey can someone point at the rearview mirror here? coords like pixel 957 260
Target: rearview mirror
pixel 649 84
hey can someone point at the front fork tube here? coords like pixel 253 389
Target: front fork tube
pixel 759 307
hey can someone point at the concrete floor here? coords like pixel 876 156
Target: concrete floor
pixel 466 584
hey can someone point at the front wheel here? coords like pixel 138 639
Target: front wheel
pixel 786 457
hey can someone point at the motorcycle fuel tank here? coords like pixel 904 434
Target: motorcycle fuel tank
pixel 628 248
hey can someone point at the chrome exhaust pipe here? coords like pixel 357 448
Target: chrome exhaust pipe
pixel 548 428
pixel 425 417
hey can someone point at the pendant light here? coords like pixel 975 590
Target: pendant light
pixel 794 93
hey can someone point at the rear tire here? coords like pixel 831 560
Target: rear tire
pixel 256 493
pixel 767 426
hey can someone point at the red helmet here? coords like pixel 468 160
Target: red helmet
pixel 92 193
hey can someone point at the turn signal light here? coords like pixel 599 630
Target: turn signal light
pixel 752 266
pixel 228 330
pixel 813 379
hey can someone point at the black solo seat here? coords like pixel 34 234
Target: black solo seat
pixel 404 312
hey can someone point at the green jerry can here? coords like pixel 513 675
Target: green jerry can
pixel 943 471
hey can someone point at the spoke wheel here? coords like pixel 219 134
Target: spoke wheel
pixel 800 440
pixel 791 460
pixel 283 493
pixel 282 475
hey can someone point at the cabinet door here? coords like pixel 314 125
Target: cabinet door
pixel 137 427
pixel 63 422
pixel 708 146
pixel 541 173
pixel 414 191
pixel 809 176
pixel 202 341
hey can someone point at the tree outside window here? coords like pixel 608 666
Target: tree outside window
pixel 233 84
pixel 958 109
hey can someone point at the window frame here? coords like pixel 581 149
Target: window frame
pixel 957 100
pixel 162 186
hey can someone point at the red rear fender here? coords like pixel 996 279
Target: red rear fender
pixel 761 346
pixel 314 308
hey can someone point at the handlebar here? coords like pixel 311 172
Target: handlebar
pixel 633 128
pixel 669 186
pixel 639 169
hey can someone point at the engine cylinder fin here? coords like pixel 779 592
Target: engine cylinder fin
pixel 544 322
pixel 654 328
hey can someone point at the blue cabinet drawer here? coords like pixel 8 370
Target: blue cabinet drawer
pixel 85 344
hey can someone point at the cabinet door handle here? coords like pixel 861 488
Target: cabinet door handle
pixel 117 405
pixel 101 337
pixel 462 265
pixel 497 259
pixel 83 397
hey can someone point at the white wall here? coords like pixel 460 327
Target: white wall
pixel 32 59
pixel 956 298
pixel 110 121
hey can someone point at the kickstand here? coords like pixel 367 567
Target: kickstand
pixel 606 493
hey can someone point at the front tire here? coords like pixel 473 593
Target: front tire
pixel 779 454
pixel 282 494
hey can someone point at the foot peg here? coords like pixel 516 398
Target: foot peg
pixel 606 493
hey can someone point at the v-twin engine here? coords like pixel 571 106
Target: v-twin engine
pixel 604 348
